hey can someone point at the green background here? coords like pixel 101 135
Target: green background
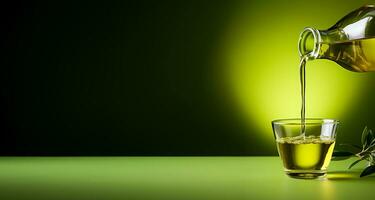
pixel 167 77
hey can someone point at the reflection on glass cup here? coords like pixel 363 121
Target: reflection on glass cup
pixel 305 148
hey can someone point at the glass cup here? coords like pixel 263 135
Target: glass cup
pixel 305 148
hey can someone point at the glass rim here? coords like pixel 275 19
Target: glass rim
pixel 309 121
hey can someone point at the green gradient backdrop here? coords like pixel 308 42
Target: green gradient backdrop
pixel 168 78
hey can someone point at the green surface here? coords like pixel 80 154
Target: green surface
pixel 171 178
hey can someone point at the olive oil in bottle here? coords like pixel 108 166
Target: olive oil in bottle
pixel 354 55
pixel 350 42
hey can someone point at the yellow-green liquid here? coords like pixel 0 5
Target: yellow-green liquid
pixel 305 153
pixel 355 55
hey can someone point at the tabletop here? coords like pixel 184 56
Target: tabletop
pixel 173 178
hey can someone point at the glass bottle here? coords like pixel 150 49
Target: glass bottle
pixel 350 42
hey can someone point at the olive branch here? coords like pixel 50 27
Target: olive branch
pixel 366 152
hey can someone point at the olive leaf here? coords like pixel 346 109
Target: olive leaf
pixel 341 155
pixel 340 158
pixel 367 152
pixel 354 163
pixel 369 170
pixel 364 135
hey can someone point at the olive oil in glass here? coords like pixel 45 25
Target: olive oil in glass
pixel 305 150
pixel 309 154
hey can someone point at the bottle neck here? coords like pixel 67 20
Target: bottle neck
pixel 309 43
